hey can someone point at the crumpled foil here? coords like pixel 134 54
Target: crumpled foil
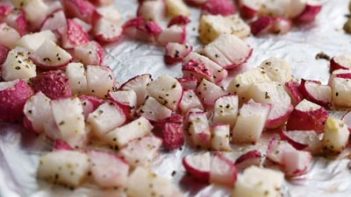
pixel 20 150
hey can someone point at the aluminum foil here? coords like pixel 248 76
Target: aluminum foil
pixel 20 151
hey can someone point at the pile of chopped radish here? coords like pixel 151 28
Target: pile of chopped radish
pixel 54 82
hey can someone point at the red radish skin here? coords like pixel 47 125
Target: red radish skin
pixel 61 145
pixel 223 171
pixel 292 87
pixel 275 123
pixel 5 10
pixel 284 135
pixel 198 166
pixel 304 140
pixel 17 19
pixel 3 53
pixel 79 8
pixel 309 14
pixel 315 92
pixel 173 135
pixel 74 35
pixel 196 70
pixel 248 12
pixel 262 25
pixel 141 29
pixel 179 20
pixel 340 62
pixel 219 7
pixel 250 158
pixel 195 3
pixel 90 104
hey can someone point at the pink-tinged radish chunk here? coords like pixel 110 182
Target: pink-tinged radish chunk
pixel 126 99
pixel 249 8
pixel 310 12
pixel 259 182
pixel 68 115
pixel 250 158
pixel 226 110
pixel 73 35
pixel 120 136
pixel 90 104
pixel 188 83
pixel 262 25
pixel 100 80
pixel 50 56
pixel 17 19
pixel 54 21
pixel 76 75
pixel 81 9
pixel 196 70
pixel 347 119
pixel 166 90
pixel 209 92
pixel 18 66
pixel 336 136
pixel 222 170
pixel 153 110
pixel 275 95
pixel 195 2
pixel 141 151
pixel 304 140
pixel 8 36
pixel 58 145
pixel 54 84
pixel 278 70
pixel 141 29
pixel 64 167
pixel 106 31
pixel 340 62
pixel 198 165
pixel 13 96
pixel 86 27
pixel 175 33
pixel 172 135
pixel 296 163
pixel 316 92
pixel 105 118
pixel 33 41
pixel 179 20
pixel 5 9
pixel 219 7
pixel 90 53
pixel 276 149
pixel 250 123
pixel 307 116
pixel 341 91
pixel 292 88
pixel 220 138
pixel 110 13
pixel 228 51
pixel 176 52
pixel 199 129
pixel 281 25
pixel 152 10
pixel 138 84
pixel 176 8
pixel 3 54
pixel 33 15
pixel 189 101
pixel 108 170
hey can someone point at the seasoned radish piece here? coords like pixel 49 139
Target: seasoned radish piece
pixel 33 16
pixel 307 116
pixel 14 95
pixel 220 140
pixel 341 91
pixel 108 170
pixel 226 110
pixel 120 136
pixel 166 90
pixel 90 53
pixel 8 36
pixel 50 56
pixel 209 92
pixel 138 84
pixel 340 62
pixel 250 158
pixel 199 129
pixel 316 92
pixel 174 33
pixel 153 110
pixel 304 140
pixel 336 135
pixel 18 65
pixel 76 75
pixel 222 170
pixel 188 83
pixel 126 99
pixel 68 115
pixel 81 9
pixel 105 118
pixel 198 165
pixel 33 41
pixel 249 8
pixel 281 25
pixel 292 88
pixel 100 80
pixel 141 151
pixel 141 29
pixel 54 21
pixel 107 31
pixel 275 95
pixel 64 167
pixel 109 12
pixel 73 35
pixel 172 135
pixel 250 123
pixel 277 69
pixel 219 7
pixel 17 19
pixel 310 12
pixel 228 51
pixel 296 163
pixel 176 52
pixel 189 101
pixel 276 149
pixel 211 26
pixel 198 71
pixel 152 10
pixel 262 25
pixel 176 8
pixel 259 182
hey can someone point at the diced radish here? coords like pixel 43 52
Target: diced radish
pixel 110 13
pixel 90 104
pixel 152 10
pixel 197 70
pixel 138 84
pixel 68 115
pixel 220 138
pixel 106 31
pixel 309 13
pixel 166 90
pixel 77 78
pixel 304 140
pixel 54 21
pixel 296 163
pixel 73 35
pixel 281 25
pixel 336 136
pixel 120 136
pixel 100 80
pixel 86 27
pixel 108 170
pixel 8 36
pixel 198 165
pixel 153 110
pixel 18 66
pixel 307 116
pixel 172 135
pixel 340 62
pixel 90 53
pixel 228 51
pixel 219 7
pixel 179 20
pixel 13 96
pixel 176 8
pixel 222 170
pixel 50 56
pixel 199 129
pixel 341 91
pixel 209 92
pixel 175 33
pixel 250 158
pixel 176 52
pixel 250 123
pixel 249 8
pixel 61 145
pixel 3 54
pixel 278 70
pixel 17 19
pixel 79 8
pixel 226 110
pixel 35 17
pixel 141 151
pixel 127 99
pixel 5 10
pixel 141 29
pixel 188 83
pixel 33 41
pixel 276 149
pixel 189 101
pixel 105 118
pixel 53 84
pixel 262 25
pixel 292 88
pixel 65 167
pixel 316 92
pixel 347 119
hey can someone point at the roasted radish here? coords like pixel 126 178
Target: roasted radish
pixel 199 129
pixel 336 135
pixel 220 140
pixel 226 110
pixel 198 165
